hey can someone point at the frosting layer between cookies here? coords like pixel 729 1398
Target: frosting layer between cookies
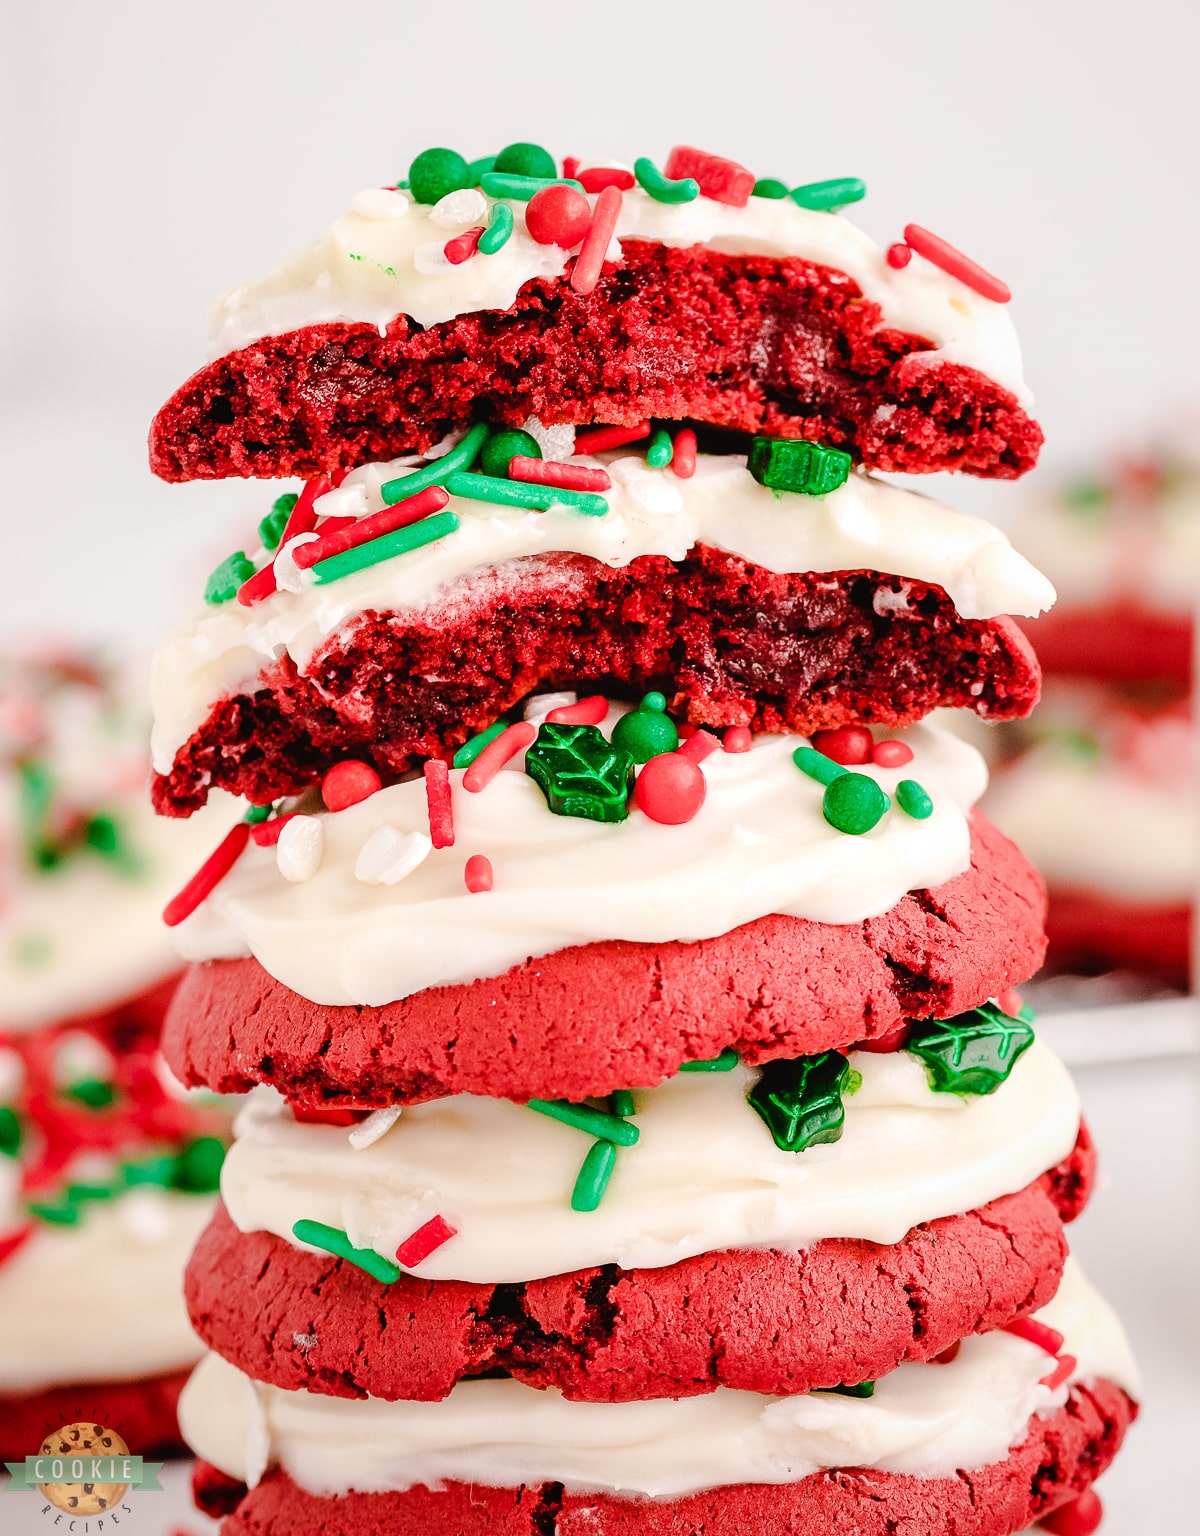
pixel 760 844
pixel 704 1176
pixel 925 1420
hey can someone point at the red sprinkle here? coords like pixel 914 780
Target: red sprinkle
pixel 670 788
pixel 258 586
pixel 303 519
pixel 17 1238
pixel 1066 1364
pixel 364 529
pixel 424 1240
pixel 849 744
pixel 567 477
pixel 683 459
pixel 494 756
pixel 210 874
pixel 590 261
pixel 725 181
pixel 589 711
pixel 699 746
pixel 462 247
pixel 437 798
pixel 610 437
pixel 1079 1518
pixel 478 873
pixel 899 255
pixel 347 783
pixel 571 165
pixel 891 754
pixel 558 215
pixel 942 254
pixel 1010 1003
pixel 332 525
pixel 266 833
pixel 948 1356
pixel 597 177
pixel 738 738
pixel 883 1044
pixel 311 1114
pixel 1041 1334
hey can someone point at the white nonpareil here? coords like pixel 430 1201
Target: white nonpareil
pixel 300 848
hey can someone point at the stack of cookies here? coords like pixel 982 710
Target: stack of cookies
pixel 644 1132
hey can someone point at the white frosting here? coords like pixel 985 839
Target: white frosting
pixel 866 524
pixel 374 264
pixel 759 845
pixel 704 1176
pixel 102 1301
pixel 924 1420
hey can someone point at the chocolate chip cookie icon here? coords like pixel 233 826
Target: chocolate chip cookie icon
pixel 75 1443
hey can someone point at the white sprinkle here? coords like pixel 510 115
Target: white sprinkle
pixel 347 501
pixel 258 1434
pixel 143 1214
pixel 388 855
pixel 368 1131
pixel 288 575
pixel 431 259
pixel 538 707
pixel 299 849
pixel 557 442
pixel 458 210
pixel 380 203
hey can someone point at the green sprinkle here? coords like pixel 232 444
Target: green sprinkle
pixel 91 1092
pixel 593 1176
pixel 914 799
pixel 795 464
pixel 400 542
pixel 435 172
pixel 228 577
pixel 583 1118
pixel 515 493
pixel 103 835
pixel 620 1102
pixel 817 766
pixel 654 700
pixel 821 196
pixel 725 1062
pixel 36 796
pixel 800 1101
pixel 334 1240
pixel 521 188
pixel 503 447
pixel 60 1214
pixel 157 1171
pixel 256 813
pixel 972 1053
pixel 500 227
pixel 646 731
pixel 471 749
pixel 1086 496
pixel 854 1081
pixel 526 160
pixel 580 773
pixel 76 1194
pixel 10 1131
pixel 477 169
pixel 770 187
pixel 198 1166
pixel 661 450
pixel 461 456
pixel 661 188
pixel 859 1389
pixel 270 530
pixel 854 804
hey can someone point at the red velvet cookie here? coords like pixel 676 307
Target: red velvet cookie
pixel 1060 1456
pixel 842 1311
pixel 141 1411
pixel 756 343
pixel 1091 932
pixel 597 1017
pixel 729 642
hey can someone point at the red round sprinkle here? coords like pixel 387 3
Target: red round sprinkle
pixel 698 746
pixel 494 756
pixel 462 247
pixel 590 262
pixel 347 783
pixel 266 833
pixel 891 754
pixel 952 261
pixel 899 255
pixel 1010 1001
pixel 1066 1364
pixel 311 1114
pixel 478 873
pixel 1079 1518
pixel 424 1240
pixel 738 738
pixel 437 798
pixel 883 1044
pixel 948 1356
pixel 670 789
pixel 567 477
pixel 210 874
pixel 597 177
pixel 600 438
pixel 558 215
pixel 848 744
pixel 1036 1332
pixel 683 459
pixel 589 711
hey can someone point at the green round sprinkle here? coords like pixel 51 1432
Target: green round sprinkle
pixel 479 168
pixel 270 530
pixel 10 1131
pixel 821 196
pixel 645 733
pixel 725 1062
pixel 198 1166
pixel 620 1102
pixel 517 493
pixel 914 799
pixel 854 1081
pixel 91 1092
pixel 583 1118
pixel 471 749
pixel 654 700
pixel 461 456
pixel 435 172
pixel 333 1240
pixel 521 188
pixel 502 447
pixel 817 766
pixel 228 577
pixel 256 813
pixel 526 160
pixel 854 803
pixel 401 542
pixel 770 187
pixel 661 188
pixel 661 450
pixel 500 227
pixel 593 1176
